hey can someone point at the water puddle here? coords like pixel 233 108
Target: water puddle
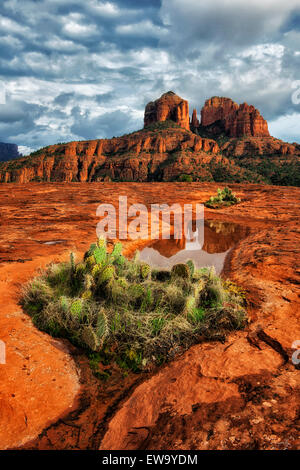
pixel 54 242
pixel 219 239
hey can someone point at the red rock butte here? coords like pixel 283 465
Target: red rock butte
pixel 224 115
pixel 219 114
pixel 168 107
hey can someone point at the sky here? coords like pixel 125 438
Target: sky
pixel 74 70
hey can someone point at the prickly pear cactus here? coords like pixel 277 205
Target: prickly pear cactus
pixel 90 262
pixel 79 272
pixel 180 270
pixel 101 242
pixel 90 251
pixel 72 261
pixel 122 282
pixel 117 251
pixel 102 326
pixel 64 302
pixel 87 295
pixel 90 338
pixel 80 268
pixel 88 282
pixel 200 286
pixel 96 270
pixel 191 266
pixel 92 248
pixel 145 270
pixel 100 255
pixel 76 308
pixel 106 274
pixel 120 261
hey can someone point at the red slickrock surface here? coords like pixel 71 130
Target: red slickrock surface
pixel 240 394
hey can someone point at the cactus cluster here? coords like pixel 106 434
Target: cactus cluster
pixel 225 197
pixel 101 242
pixel 96 271
pixel 125 309
pixel 72 261
pixel 101 264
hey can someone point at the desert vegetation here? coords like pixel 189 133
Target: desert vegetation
pixel 123 311
pixel 224 198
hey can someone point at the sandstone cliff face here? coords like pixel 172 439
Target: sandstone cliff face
pixel 168 107
pixel 259 146
pixel 223 114
pixel 216 108
pixel 142 156
pixel 148 155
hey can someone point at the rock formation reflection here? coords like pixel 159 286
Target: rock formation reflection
pixel 219 238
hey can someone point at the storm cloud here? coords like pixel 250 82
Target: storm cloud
pixel 84 70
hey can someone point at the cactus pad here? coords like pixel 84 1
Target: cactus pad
pixel 64 303
pixel 90 338
pixel 145 270
pixel 191 266
pixel 90 261
pixel 117 251
pixel 181 270
pixel 100 255
pixel 102 326
pixel 106 274
pixel 101 242
pixel 76 308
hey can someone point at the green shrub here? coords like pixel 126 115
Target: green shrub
pixel 225 197
pixel 185 178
